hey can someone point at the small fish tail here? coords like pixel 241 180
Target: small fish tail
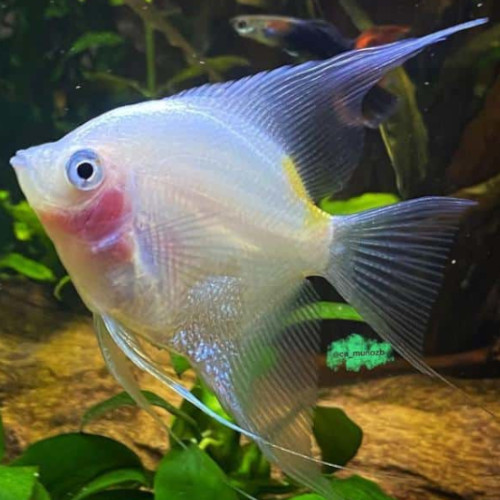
pixel 388 263
pixel 378 105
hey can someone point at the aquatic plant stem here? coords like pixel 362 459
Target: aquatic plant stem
pixel 150 58
pixel 153 17
pixel 357 15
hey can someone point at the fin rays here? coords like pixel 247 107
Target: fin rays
pixel 394 288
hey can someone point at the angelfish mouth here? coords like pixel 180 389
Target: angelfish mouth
pixel 19 160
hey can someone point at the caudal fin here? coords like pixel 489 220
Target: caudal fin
pixel 388 264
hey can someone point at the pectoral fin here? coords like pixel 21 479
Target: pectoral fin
pixel 119 366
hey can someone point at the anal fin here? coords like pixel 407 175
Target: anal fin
pixel 262 367
pixel 119 366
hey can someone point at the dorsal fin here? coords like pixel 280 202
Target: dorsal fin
pixel 313 110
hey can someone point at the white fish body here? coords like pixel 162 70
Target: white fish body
pixel 191 222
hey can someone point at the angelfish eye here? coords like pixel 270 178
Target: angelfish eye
pixel 84 170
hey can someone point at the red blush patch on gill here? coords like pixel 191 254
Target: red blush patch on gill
pixel 101 223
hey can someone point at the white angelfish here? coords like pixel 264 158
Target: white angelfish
pixel 191 222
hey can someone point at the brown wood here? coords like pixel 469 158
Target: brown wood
pixel 481 359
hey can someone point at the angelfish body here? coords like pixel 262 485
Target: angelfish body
pixel 191 222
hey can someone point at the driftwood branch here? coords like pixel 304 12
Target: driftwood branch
pixel 449 363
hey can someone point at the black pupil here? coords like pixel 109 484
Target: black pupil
pixel 242 24
pixel 85 170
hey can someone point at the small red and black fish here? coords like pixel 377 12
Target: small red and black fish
pixel 317 39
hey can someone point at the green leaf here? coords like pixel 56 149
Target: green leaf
pixel 358 16
pixel 367 201
pixel 27 267
pixel 404 133
pixel 354 487
pixel 489 58
pixel 337 310
pixel 57 9
pixel 251 472
pixel 191 473
pixel 179 363
pixel 251 464
pixel 124 399
pixel 60 285
pixel 220 64
pixel 94 39
pixel 116 83
pixel 225 63
pixel 22 231
pixel 28 225
pixel 326 310
pixel 122 495
pixel 40 493
pixel 120 477
pixel 219 441
pixel 69 462
pixel 27 228
pixel 17 483
pixel 359 488
pixel 338 437
pixel 308 496
pixel 2 439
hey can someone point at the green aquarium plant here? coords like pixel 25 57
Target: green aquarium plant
pixel 25 248
pixel 404 133
pixel 205 460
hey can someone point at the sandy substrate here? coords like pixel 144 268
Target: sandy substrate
pixel 422 440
